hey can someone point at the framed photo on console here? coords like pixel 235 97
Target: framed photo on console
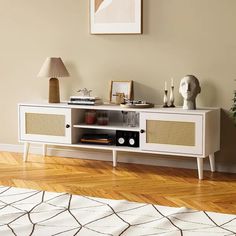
pixel 120 88
pixel 115 16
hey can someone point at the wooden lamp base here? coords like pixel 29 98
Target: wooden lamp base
pixel 54 94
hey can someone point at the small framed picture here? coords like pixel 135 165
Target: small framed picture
pixel 115 16
pixel 120 90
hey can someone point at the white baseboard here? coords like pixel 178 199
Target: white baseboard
pixel 136 158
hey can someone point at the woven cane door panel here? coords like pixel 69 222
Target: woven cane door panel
pixel 45 124
pixel 171 132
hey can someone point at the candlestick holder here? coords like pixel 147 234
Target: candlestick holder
pixel 172 98
pixel 165 99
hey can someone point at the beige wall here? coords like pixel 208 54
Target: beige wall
pixel 180 37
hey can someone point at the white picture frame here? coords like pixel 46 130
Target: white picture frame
pixel 115 16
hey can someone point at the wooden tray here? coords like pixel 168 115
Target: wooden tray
pixel 146 105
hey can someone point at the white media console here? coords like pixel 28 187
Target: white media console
pixel 171 131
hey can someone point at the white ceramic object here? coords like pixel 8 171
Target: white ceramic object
pixel 189 88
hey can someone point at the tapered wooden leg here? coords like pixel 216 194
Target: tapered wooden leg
pixel 44 150
pixel 212 162
pixel 26 151
pixel 200 167
pixel 114 156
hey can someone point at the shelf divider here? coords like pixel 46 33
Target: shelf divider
pixel 111 126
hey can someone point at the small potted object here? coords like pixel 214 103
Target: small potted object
pixel 90 117
pixel 102 118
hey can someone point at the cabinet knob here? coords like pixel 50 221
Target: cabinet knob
pixel 142 131
pixel 67 126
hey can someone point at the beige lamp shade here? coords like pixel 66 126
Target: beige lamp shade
pixel 53 67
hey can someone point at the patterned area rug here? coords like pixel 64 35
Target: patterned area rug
pixel 26 212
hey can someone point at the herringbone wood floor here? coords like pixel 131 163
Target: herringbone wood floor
pixel 159 185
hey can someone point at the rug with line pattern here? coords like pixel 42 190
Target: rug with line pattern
pixel 26 212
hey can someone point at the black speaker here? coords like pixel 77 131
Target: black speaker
pixel 127 138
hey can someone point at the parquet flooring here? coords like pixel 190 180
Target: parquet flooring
pixel 150 184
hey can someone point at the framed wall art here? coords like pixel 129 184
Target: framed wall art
pixel 115 16
pixel 120 88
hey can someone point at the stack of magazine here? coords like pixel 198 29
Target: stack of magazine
pixel 82 100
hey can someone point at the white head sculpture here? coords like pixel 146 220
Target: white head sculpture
pixel 189 88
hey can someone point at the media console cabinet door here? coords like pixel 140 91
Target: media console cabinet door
pixel 172 133
pixel 45 124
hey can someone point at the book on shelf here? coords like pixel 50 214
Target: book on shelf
pixel 81 100
pixel 96 139
pixel 97 102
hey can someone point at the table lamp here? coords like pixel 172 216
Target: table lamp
pixel 52 68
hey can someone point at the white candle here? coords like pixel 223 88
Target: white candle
pixel 165 85
pixel 172 82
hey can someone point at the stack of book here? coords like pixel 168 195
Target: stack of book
pixel 97 139
pixel 82 100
